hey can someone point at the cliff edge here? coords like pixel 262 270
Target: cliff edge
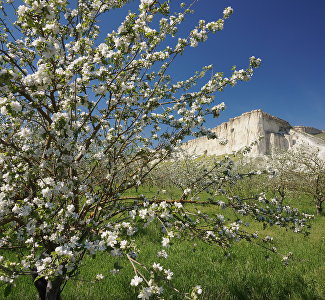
pixel 269 133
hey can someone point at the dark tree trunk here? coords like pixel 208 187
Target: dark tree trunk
pixel 319 207
pixel 48 289
pixel 281 192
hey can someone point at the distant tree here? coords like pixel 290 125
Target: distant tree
pixel 301 170
pixel 191 176
pixel 85 116
pixel 247 178
pixel 281 167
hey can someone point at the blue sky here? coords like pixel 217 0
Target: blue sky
pixel 289 36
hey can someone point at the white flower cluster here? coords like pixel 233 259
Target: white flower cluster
pixel 227 12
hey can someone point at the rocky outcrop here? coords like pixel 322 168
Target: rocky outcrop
pixel 310 130
pixel 270 134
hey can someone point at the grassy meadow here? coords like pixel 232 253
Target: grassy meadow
pixel 249 272
pixel 321 135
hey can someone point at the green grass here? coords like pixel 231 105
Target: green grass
pixel 321 135
pixel 250 272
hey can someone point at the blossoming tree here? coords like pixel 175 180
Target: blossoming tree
pixel 73 103
pixel 301 170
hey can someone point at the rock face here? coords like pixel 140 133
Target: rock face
pixel 270 134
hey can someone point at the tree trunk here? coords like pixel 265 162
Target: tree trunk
pixel 281 192
pixel 48 289
pixel 319 207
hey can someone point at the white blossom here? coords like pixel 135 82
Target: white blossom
pixel 165 242
pixel 100 276
pixel 136 280
pixel 227 12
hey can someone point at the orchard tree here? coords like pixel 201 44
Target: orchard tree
pixel 76 101
pixel 282 166
pixel 300 170
pixel 314 174
pixel 190 176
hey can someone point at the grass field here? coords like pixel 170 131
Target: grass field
pixel 321 136
pixel 250 272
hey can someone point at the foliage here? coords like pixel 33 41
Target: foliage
pixel 302 171
pixel 192 176
pixel 250 179
pixel 74 105
pixel 247 272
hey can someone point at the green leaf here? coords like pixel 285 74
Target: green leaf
pixel 117 266
pixel 7 290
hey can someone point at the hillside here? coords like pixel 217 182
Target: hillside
pixel 268 133
pixel 321 136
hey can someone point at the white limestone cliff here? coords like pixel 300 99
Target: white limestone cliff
pixel 270 133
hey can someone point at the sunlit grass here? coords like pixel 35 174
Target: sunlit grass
pixel 249 272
